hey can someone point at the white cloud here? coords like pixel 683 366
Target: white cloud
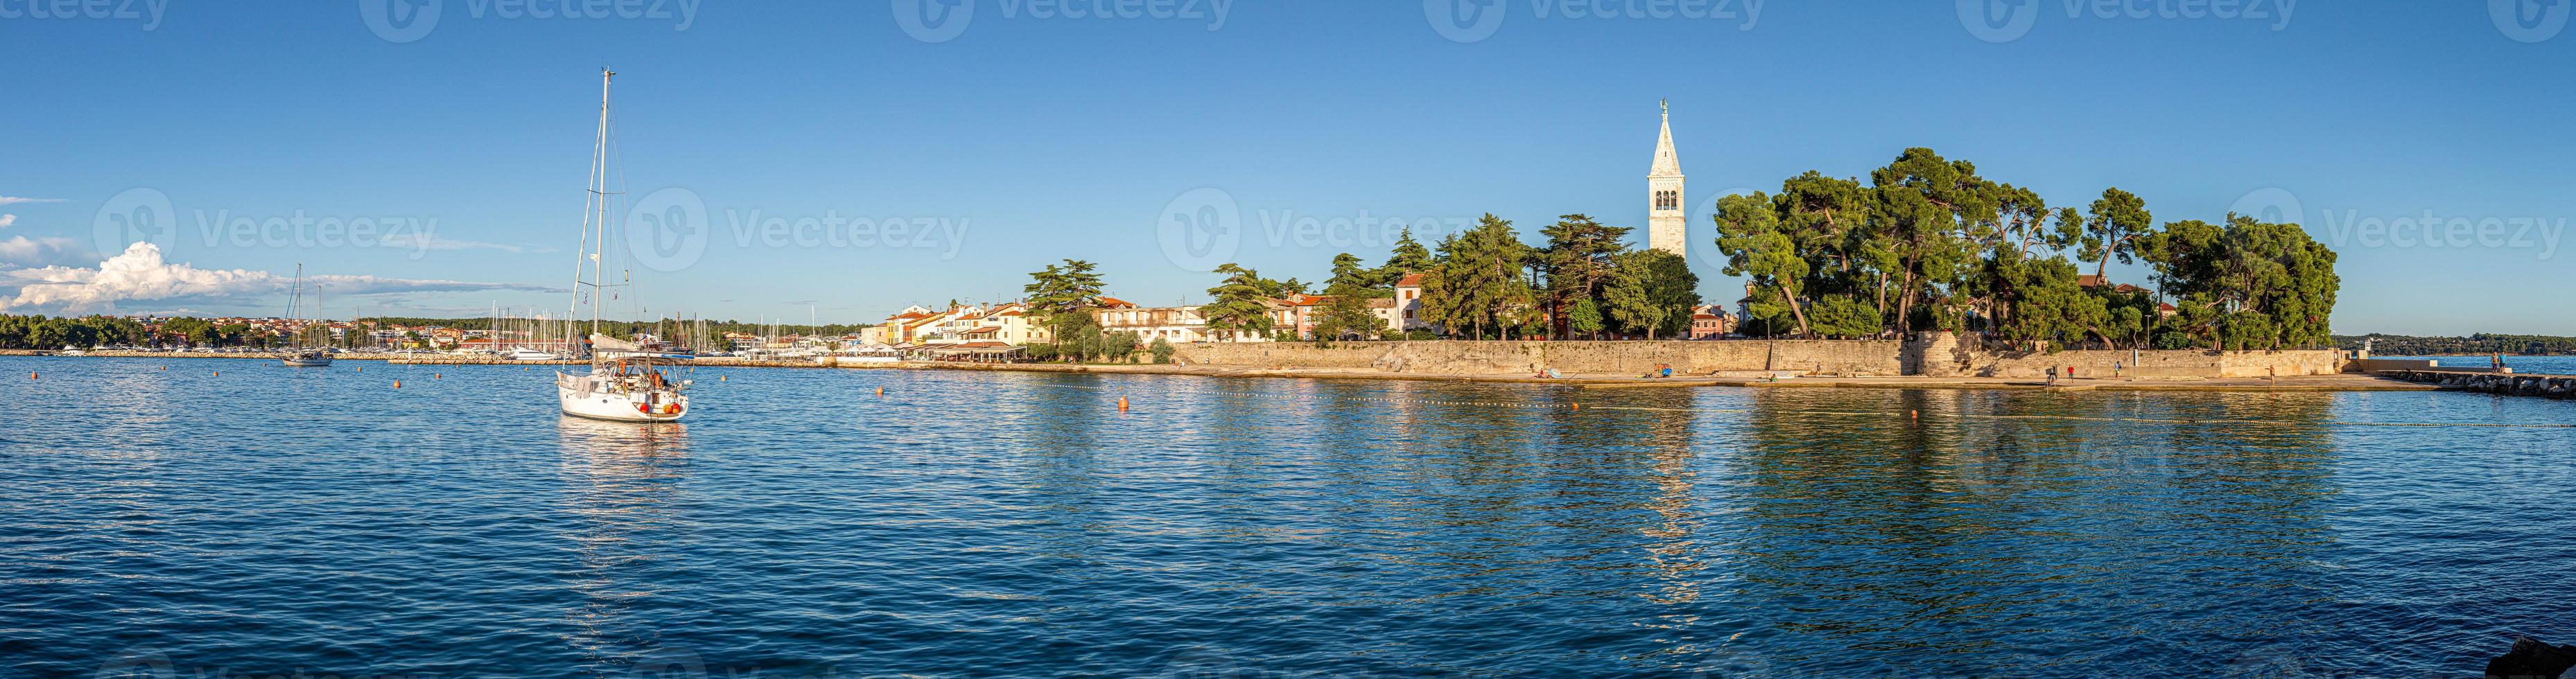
pixel 5 200
pixel 418 241
pixel 42 251
pixel 141 274
pixel 6 220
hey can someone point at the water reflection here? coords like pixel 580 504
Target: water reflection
pixel 621 482
pixel 1931 539
pixel 1004 524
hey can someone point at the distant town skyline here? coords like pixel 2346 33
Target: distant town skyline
pixel 843 162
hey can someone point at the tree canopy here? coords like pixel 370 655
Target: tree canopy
pixel 1930 243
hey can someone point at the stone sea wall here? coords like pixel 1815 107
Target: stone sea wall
pixel 1933 355
pixel 1945 355
pixel 1525 358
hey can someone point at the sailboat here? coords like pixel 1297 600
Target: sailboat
pixel 297 355
pixel 626 382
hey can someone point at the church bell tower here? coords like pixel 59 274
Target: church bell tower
pixel 1666 222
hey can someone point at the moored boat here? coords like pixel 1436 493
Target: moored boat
pixel 297 355
pixel 625 382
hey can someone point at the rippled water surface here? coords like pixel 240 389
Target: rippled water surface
pixel 270 520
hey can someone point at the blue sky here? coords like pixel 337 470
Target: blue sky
pixel 1013 136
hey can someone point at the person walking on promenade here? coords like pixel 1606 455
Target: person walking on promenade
pixel 2052 376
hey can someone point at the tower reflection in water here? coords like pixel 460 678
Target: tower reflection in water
pixel 1999 519
pixel 621 483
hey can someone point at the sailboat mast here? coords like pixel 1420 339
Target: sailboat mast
pixel 594 219
pixel 600 247
pixel 295 295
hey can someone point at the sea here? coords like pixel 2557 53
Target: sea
pixel 237 518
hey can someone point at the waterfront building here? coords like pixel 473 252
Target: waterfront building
pixel 1711 321
pixel 1174 324
pixel 1011 324
pixel 1296 314
pixel 1406 314
pixel 907 326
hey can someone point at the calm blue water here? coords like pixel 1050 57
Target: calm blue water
pixel 272 520
pixel 2537 365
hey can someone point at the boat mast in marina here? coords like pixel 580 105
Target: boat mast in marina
pixel 297 354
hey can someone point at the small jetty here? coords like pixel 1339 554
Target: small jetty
pixel 2490 382
pixel 2483 380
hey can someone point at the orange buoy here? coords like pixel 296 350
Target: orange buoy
pixel 1122 404
pixel 397 384
pixel 880 391
pixel 32 375
pixel 219 373
pixel 720 378
pixel 1578 406
pixel 433 376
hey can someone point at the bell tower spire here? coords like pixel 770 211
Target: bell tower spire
pixel 1666 222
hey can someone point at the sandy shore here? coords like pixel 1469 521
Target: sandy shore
pixel 1756 380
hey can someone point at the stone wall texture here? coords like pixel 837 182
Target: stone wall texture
pixel 1934 355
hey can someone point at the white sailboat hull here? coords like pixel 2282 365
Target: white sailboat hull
pixel 306 361
pixel 599 398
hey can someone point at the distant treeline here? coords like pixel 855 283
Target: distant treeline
pixel 2473 345
pixel 40 332
pixel 627 328
pixel 46 332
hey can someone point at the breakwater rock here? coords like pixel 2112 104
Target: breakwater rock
pixel 2504 384
pixel 2532 659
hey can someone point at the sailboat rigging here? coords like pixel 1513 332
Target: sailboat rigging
pixel 625 382
pixel 298 355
